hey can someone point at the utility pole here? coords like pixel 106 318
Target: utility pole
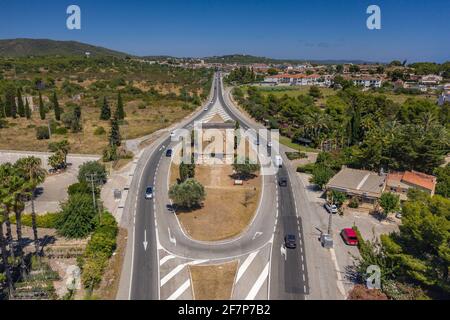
pixel 92 178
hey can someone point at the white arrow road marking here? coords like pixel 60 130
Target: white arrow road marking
pixel 258 284
pixel 283 252
pixel 172 240
pixel 257 234
pixel 145 240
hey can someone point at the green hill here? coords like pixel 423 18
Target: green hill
pixel 46 47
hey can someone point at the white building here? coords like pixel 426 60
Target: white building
pixel 445 96
pixel 367 82
pixel 294 79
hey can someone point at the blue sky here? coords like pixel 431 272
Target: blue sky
pixel 417 30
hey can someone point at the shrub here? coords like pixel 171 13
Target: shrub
pixel 92 167
pixel 48 220
pixel 307 168
pixel 187 194
pixel 296 155
pixel 60 131
pixel 99 131
pixel 42 133
pixel 82 188
pixel 77 217
pixel 354 203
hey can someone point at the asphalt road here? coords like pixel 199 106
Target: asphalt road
pixel 156 226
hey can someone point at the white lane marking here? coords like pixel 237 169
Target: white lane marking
pixel 283 252
pixel 258 284
pixel 177 269
pixel 338 271
pixel 165 259
pixel 257 234
pixel 172 273
pixel 145 240
pixel 180 290
pixel 245 265
pixel 172 239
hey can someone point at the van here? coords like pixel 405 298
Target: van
pixel 278 161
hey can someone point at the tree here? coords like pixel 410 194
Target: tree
pixel 272 71
pixel 27 110
pixel 31 169
pixel 20 105
pixel 187 171
pixel 321 174
pixel 114 136
pixel 105 113
pixel 2 109
pixel 390 202
pixel 421 248
pixel 187 194
pixel 338 198
pixel 56 107
pixel 62 147
pixel 92 167
pixel 57 160
pixel 339 68
pixel 443 181
pixel 244 168
pixel 41 107
pixel 315 92
pixel 120 113
pixel 10 102
pixel 77 217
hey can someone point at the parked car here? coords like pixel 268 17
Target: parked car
pixel 168 152
pixel 172 134
pixel 269 144
pixel 290 242
pixel 282 182
pixel 331 208
pixel 149 193
pixel 349 236
pixel 206 109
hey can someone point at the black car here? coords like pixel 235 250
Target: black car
pixel 169 153
pixel 289 241
pixel 282 182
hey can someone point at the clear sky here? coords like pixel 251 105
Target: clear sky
pixel 417 30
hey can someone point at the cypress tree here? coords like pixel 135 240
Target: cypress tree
pixel 120 113
pixel 114 137
pixel 27 109
pixel 10 102
pixel 2 109
pixel 20 106
pixel 56 107
pixel 105 114
pixel 41 107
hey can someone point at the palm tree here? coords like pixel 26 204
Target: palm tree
pixel 6 173
pixel 35 174
pixel 5 259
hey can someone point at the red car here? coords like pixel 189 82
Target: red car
pixel 349 236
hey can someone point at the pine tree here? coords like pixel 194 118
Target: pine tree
pixel 56 107
pixel 120 113
pixel 41 107
pixel 114 136
pixel 20 106
pixel 106 110
pixel 27 109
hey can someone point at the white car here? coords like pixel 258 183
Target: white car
pixel 269 144
pixel 149 193
pixel 206 109
pixel 331 208
pixel 172 134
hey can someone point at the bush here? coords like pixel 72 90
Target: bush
pixel 99 131
pixel 82 188
pixel 187 194
pixel 77 217
pixel 296 155
pixel 307 168
pixel 354 203
pixel 92 167
pixel 60 131
pixel 48 220
pixel 42 133
pixel 98 250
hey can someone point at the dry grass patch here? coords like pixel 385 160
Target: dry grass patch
pixel 227 210
pixel 213 282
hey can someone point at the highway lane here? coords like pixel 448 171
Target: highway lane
pixel 145 270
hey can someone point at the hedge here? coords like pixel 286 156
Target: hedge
pixel 99 249
pixel 47 220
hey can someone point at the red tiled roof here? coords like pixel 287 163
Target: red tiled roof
pixel 415 178
pixel 296 76
pixel 420 179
